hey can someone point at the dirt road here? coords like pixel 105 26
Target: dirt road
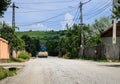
pixel 61 71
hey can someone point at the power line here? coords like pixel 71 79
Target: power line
pixel 76 15
pixel 98 9
pixel 45 2
pixel 45 19
pixel 99 12
pixel 42 10
pixel 97 6
pixel 54 21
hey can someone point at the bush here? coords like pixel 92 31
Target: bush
pixel 6 73
pixel 72 54
pixel 65 56
pixel 24 55
pixel 3 73
pixel 18 60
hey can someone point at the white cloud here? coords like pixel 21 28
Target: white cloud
pixel 35 27
pixel 68 20
pixel 39 25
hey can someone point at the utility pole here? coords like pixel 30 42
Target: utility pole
pixel 81 49
pixel 114 23
pixel 81 32
pixel 13 14
pixel 67 26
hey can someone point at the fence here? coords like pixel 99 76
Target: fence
pixel 95 52
pixel 99 52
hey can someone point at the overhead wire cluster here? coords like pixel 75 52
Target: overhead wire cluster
pixel 97 11
pixel 46 2
pixel 34 10
pixel 86 16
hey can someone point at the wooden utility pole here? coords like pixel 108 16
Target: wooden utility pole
pixel 81 31
pixel 114 23
pixel 13 14
pixel 81 49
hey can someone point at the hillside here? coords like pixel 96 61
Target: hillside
pixel 43 36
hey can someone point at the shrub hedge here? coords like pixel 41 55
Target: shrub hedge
pixel 24 55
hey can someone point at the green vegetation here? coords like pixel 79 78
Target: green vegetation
pixel 24 55
pixel 16 60
pixel 32 45
pixel 6 73
pixel 43 36
pixel 4 4
pixel 66 43
pixel 116 12
pixel 52 47
pixel 33 40
pixel 69 46
pixel 15 42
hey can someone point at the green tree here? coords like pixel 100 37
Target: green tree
pixel 52 45
pixel 93 36
pixel 7 32
pixel 15 42
pixel 32 45
pixel 72 41
pixel 100 25
pixel 116 12
pixel 28 43
pixel 4 4
pixel 61 46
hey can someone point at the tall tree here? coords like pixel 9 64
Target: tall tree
pixel 101 24
pixel 7 32
pixel 72 41
pixel 116 11
pixel 32 45
pixel 15 42
pixel 4 4
pixel 52 45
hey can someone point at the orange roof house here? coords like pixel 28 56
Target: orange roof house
pixel 4 50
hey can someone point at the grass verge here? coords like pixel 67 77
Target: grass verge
pixel 17 60
pixel 6 73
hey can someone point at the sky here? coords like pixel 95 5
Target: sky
pixel 45 15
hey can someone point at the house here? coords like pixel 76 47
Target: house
pixel 4 50
pixel 112 52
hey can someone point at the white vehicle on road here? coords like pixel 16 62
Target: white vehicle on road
pixel 43 54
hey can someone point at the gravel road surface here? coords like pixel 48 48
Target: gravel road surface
pixel 62 71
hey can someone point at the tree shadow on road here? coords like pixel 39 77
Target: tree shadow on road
pixel 111 65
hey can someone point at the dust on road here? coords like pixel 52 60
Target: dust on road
pixel 62 71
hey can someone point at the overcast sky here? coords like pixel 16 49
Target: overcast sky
pixel 55 14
